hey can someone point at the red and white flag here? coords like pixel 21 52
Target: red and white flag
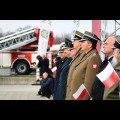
pixel 80 93
pixel 54 70
pixel 108 76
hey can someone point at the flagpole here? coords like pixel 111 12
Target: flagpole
pixel 88 93
pixel 106 23
pixel 102 53
pixel 42 49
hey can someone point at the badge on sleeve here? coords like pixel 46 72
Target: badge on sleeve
pixel 94 66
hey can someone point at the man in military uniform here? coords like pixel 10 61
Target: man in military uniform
pixel 112 93
pixel 77 47
pixel 85 70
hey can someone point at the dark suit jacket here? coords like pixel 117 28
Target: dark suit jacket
pixel 98 87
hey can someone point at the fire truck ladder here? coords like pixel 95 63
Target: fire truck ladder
pixel 17 40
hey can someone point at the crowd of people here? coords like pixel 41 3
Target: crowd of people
pixel 78 62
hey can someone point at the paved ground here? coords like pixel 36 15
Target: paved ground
pixel 20 92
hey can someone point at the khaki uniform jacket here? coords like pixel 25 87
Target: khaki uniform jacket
pixel 84 72
pixel 73 63
pixel 113 92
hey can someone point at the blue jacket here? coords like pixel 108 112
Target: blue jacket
pixel 49 82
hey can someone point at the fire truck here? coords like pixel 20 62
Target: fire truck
pixel 18 51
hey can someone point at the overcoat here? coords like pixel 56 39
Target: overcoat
pixel 84 72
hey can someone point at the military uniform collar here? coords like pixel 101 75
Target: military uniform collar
pixel 90 52
pixel 86 55
pixel 77 52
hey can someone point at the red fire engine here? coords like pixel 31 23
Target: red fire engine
pixel 19 50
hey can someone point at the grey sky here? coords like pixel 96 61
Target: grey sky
pixel 59 27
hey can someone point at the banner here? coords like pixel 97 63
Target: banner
pixel 43 38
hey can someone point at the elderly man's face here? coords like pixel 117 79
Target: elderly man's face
pixel 67 51
pixel 108 46
pixel 86 46
pixel 116 57
pixel 76 44
pixel 45 75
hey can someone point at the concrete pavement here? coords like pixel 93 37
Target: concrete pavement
pixel 20 92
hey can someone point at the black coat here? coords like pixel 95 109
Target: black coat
pixel 62 82
pixel 45 67
pixel 58 72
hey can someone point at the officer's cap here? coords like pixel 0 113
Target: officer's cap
pixel 117 42
pixel 68 44
pixel 90 37
pixel 77 35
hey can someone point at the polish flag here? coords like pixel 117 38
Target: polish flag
pixel 80 93
pixel 54 70
pixel 108 76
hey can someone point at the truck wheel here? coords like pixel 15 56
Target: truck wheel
pixel 22 68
